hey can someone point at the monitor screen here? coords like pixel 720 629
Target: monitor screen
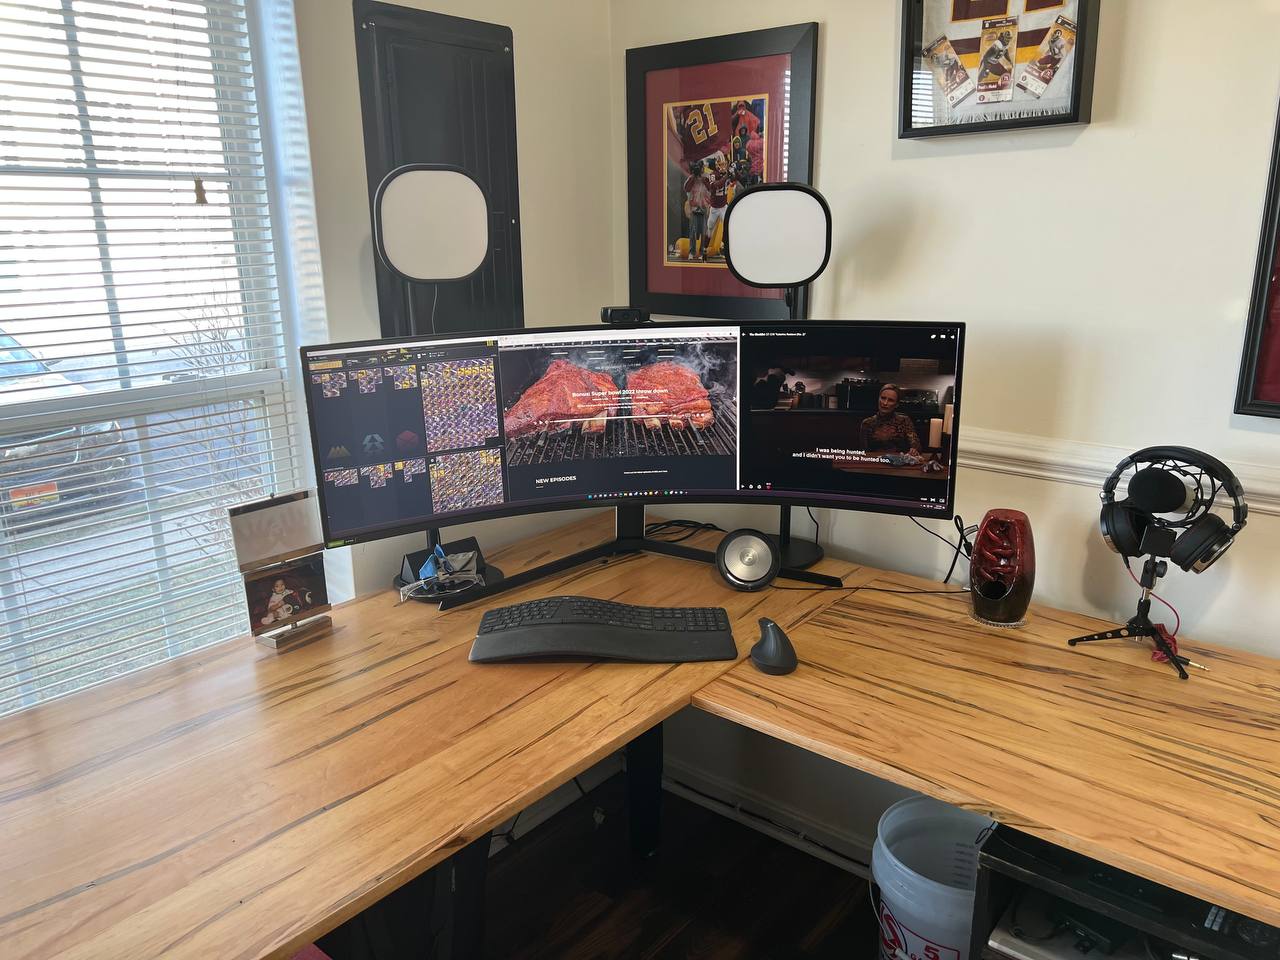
pixel 421 432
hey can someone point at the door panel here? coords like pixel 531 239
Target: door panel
pixel 439 89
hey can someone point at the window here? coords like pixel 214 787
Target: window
pixel 145 356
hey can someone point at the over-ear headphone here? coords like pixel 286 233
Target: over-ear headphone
pixel 1176 480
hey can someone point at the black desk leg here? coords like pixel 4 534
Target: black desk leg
pixel 644 792
pixel 397 926
pixel 460 902
pixel 439 915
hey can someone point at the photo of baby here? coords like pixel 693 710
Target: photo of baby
pixel 286 593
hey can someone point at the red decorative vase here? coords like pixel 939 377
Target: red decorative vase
pixel 1002 570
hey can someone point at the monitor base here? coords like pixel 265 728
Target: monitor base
pixel 795 554
pixel 630 539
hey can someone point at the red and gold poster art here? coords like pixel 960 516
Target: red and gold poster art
pixel 706 120
pixel 715 148
pixel 712 131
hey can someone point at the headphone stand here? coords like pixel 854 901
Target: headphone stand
pixel 1140 625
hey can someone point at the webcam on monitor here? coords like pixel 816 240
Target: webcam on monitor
pixel 624 316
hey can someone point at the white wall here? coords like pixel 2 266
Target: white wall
pixel 562 103
pixel 1120 326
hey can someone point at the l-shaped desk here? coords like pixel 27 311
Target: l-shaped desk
pixel 236 802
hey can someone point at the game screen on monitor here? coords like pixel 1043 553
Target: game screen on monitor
pixel 437 430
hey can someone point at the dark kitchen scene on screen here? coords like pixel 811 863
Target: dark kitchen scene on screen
pixel 847 414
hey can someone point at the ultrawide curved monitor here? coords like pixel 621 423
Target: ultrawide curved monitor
pixel 424 432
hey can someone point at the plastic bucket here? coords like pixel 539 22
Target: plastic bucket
pixel 925 862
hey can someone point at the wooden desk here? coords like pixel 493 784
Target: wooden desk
pixel 1095 748
pixel 238 803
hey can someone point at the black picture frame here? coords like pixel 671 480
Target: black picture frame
pixel 1263 299
pixel 913 41
pixel 800 41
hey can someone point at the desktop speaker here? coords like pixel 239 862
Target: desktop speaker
pixel 747 559
pixel 1002 569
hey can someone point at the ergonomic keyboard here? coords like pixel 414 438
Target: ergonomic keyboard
pixel 580 628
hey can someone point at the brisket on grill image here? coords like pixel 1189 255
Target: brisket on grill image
pixel 617 401
pixel 565 394
pixel 671 392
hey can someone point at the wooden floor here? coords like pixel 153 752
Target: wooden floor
pixel 717 890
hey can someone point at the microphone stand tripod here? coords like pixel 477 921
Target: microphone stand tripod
pixel 1140 624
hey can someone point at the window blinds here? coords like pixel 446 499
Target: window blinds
pixel 143 361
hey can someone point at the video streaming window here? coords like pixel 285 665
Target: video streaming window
pixel 605 414
pixel 865 412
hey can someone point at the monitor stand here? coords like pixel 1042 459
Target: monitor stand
pixel 630 538
pixel 795 554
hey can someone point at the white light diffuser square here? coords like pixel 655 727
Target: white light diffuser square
pixel 433 224
pixel 779 235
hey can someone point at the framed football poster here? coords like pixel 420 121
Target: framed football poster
pixel 1258 390
pixel 705 119
pixel 970 66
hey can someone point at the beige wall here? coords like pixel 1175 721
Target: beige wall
pixel 562 102
pixel 1118 327
pixel 1111 314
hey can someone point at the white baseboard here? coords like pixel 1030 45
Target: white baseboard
pixel 1088 464
pixel 853 847
pixel 846 849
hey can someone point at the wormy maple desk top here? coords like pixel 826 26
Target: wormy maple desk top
pixel 1095 748
pixel 238 803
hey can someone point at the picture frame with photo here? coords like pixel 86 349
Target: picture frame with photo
pixel 286 594
pixel 976 66
pixel 705 119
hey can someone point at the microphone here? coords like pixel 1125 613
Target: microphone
pixel 1159 491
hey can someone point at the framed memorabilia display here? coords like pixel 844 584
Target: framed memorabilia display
pixel 970 66
pixel 706 118
pixel 1258 391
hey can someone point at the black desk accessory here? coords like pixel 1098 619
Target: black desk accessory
pixel 583 628
pixel 1167 512
pixel 1010 861
pixel 412 563
pixel 624 316
pixel 630 538
pixel 794 554
pixel 773 652
pixel 1140 625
